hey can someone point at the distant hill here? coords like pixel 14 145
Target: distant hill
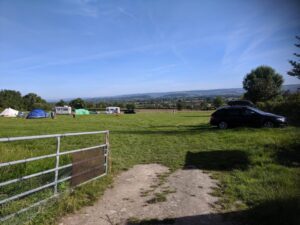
pixel 291 87
pixel 229 92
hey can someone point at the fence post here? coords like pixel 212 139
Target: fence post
pixel 57 164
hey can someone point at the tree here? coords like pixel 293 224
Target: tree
pixel 120 104
pixel 77 103
pixel 61 103
pixel 101 105
pixel 130 106
pixel 179 105
pixel 296 65
pixel 218 101
pixel 90 105
pixel 32 101
pixel 262 84
pixel 10 98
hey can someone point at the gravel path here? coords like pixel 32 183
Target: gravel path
pixel 148 192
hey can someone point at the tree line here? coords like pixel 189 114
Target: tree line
pixel 14 99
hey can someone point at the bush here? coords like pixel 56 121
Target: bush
pixel 289 106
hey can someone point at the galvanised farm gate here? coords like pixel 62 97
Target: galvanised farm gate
pixel 85 164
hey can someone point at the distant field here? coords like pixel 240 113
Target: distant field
pixel 258 168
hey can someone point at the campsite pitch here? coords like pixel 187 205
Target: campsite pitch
pixel 257 169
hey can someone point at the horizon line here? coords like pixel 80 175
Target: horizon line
pixel 145 93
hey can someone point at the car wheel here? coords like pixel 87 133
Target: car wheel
pixel 268 124
pixel 223 125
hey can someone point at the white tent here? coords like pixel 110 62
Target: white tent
pixel 9 112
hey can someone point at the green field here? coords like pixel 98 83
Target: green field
pixel 258 169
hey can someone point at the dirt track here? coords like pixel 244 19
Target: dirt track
pixel 149 192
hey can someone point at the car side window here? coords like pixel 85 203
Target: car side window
pixel 248 112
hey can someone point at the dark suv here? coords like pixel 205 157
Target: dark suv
pixel 231 116
pixel 129 111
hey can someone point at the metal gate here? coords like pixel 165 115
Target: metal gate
pixel 87 164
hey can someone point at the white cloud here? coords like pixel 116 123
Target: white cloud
pixel 85 8
pixel 101 55
pixel 163 68
pixel 126 13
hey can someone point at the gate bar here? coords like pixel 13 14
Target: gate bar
pixel 49 156
pixel 33 175
pixel 49 136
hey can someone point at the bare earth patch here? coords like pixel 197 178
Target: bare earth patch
pixel 149 193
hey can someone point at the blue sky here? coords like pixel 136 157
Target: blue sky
pixel 90 48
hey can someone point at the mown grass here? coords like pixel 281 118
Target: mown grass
pixel 258 169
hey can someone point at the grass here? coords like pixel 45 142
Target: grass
pixel 158 192
pixel 158 197
pixel 258 169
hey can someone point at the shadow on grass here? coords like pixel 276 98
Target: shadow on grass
pixel 275 212
pixel 288 155
pixel 222 160
pixel 181 130
pixel 170 130
pixel 196 116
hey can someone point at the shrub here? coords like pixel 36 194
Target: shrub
pixel 289 106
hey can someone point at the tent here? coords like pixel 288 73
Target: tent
pixel 9 112
pixel 82 112
pixel 37 113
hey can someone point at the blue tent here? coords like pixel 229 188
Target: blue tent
pixel 37 113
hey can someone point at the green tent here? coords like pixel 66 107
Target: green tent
pixel 82 112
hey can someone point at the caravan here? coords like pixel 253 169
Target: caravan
pixel 112 110
pixel 63 110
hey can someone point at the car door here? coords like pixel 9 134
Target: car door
pixel 234 116
pixel 250 117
